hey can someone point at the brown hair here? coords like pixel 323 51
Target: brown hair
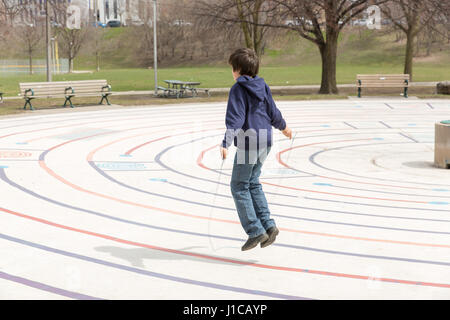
pixel 245 61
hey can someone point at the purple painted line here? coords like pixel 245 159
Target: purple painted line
pixel 350 125
pixel 150 273
pixel 429 104
pixel 45 287
pixel 408 137
pixel 385 124
pixel 389 106
pixel 312 159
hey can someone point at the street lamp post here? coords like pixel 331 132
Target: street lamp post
pixel 155 47
pixel 48 37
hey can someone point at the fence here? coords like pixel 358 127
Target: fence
pixel 39 66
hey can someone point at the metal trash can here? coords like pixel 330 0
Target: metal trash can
pixel 442 145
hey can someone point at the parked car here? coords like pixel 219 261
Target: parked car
pixel 113 24
pixel 181 23
pixel 298 22
pixel 100 24
pixel 360 22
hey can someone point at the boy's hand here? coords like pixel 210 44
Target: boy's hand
pixel 287 132
pixel 223 153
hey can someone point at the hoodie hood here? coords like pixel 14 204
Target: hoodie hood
pixel 256 86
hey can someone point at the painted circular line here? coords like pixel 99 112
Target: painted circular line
pixel 332 193
pixel 200 158
pixel 283 229
pixel 101 172
pixel 157 159
pixel 319 176
pixel 200 163
pixel 4 177
pixel 228 260
pixel 292 123
pixel 360 182
pixel 322 192
pixel 150 273
pixel 313 156
pixel 42 163
pixel 44 287
pixel 312 220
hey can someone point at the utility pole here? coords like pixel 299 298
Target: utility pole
pixel 155 47
pixel 48 37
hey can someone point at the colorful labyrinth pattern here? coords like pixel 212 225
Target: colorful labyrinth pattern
pixel 133 204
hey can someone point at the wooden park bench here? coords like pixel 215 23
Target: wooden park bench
pixel 64 89
pixel 383 81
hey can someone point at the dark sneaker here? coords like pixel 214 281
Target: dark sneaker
pixel 253 242
pixel 272 233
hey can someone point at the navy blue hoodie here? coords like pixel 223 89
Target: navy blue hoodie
pixel 251 106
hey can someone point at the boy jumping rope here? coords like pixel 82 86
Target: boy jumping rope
pixel 251 113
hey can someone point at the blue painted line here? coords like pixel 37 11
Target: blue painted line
pixel 412 124
pixel 323 184
pixel 441 190
pixel 439 203
pixel 325 126
pixel 21 142
pixel 3 167
pixel 378 139
pixel 126 155
pixel 157 179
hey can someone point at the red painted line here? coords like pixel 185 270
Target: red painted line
pixel 228 260
pixel 346 180
pixel 332 193
pixel 129 152
pixel 90 157
pixel 43 165
pixel 200 163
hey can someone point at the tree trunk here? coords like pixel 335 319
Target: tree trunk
pixel 328 53
pixel 409 54
pixel 31 62
pixel 70 65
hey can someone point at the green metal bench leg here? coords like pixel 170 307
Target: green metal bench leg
pixel 70 101
pixel 105 97
pixel 405 94
pixel 359 92
pixel 28 102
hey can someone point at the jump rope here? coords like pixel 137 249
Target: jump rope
pixel 217 192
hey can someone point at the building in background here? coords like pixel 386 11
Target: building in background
pixel 128 12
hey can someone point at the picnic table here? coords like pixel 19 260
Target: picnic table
pixel 181 89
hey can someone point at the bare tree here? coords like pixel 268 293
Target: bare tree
pixel 320 21
pixel 9 9
pixel 71 41
pixel 411 17
pixel 248 14
pixel 31 37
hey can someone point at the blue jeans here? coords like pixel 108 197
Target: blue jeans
pixel 251 203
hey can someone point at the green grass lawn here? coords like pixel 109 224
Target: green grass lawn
pixel 220 77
